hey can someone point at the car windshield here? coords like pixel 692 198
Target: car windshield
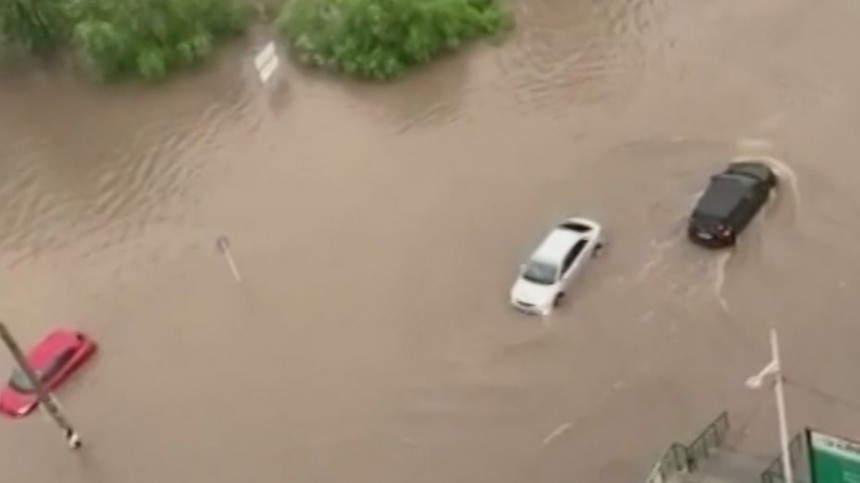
pixel 540 272
pixel 20 382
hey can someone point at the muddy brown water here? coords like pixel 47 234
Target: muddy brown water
pixel 378 230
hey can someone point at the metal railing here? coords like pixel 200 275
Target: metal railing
pixel 797 450
pixel 685 458
pixel 710 438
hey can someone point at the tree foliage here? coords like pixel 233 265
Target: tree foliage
pixel 382 38
pixel 148 38
pixel 37 26
pixel 122 38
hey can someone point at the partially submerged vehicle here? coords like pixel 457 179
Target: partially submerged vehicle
pixel 54 359
pixel 729 203
pixel 558 260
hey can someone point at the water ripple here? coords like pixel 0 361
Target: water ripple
pixel 580 54
pixel 44 211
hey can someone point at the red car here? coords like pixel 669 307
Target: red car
pixel 53 359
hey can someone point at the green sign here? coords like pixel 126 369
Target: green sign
pixel 833 459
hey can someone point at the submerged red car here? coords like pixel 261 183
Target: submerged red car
pixel 53 359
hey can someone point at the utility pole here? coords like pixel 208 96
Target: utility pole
pixel 46 399
pixel 774 368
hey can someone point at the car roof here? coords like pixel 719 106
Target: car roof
pixel 723 195
pixel 556 244
pixel 52 344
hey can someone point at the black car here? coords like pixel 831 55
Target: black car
pixel 729 203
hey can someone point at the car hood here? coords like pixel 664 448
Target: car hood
pixel 533 293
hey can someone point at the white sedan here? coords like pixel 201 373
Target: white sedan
pixel 560 258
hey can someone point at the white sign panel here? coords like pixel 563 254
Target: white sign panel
pixel 266 62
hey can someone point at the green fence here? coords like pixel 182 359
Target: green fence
pixel 685 458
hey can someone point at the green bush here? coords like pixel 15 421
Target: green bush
pixel 149 38
pixel 382 38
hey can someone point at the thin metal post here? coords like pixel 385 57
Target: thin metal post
pixel 223 244
pixel 46 399
pixel 780 408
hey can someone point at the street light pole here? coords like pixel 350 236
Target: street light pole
pixel 774 368
pixel 46 399
pixel 780 409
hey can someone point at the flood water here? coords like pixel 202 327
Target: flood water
pixel 378 230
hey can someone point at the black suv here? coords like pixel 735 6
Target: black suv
pixel 732 199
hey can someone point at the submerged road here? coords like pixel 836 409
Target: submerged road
pixel 377 230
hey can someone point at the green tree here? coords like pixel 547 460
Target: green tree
pixel 149 38
pixel 37 26
pixel 382 38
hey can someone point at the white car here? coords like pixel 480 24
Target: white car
pixel 560 258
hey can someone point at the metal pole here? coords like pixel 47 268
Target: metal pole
pixel 780 408
pixel 46 399
pixel 223 244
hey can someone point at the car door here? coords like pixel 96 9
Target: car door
pixel 574 261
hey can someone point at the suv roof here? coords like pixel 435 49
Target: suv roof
pixel 556 244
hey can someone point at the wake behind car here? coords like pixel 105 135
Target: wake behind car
pixel 730 202
pixel 53 360
pixel 558 260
